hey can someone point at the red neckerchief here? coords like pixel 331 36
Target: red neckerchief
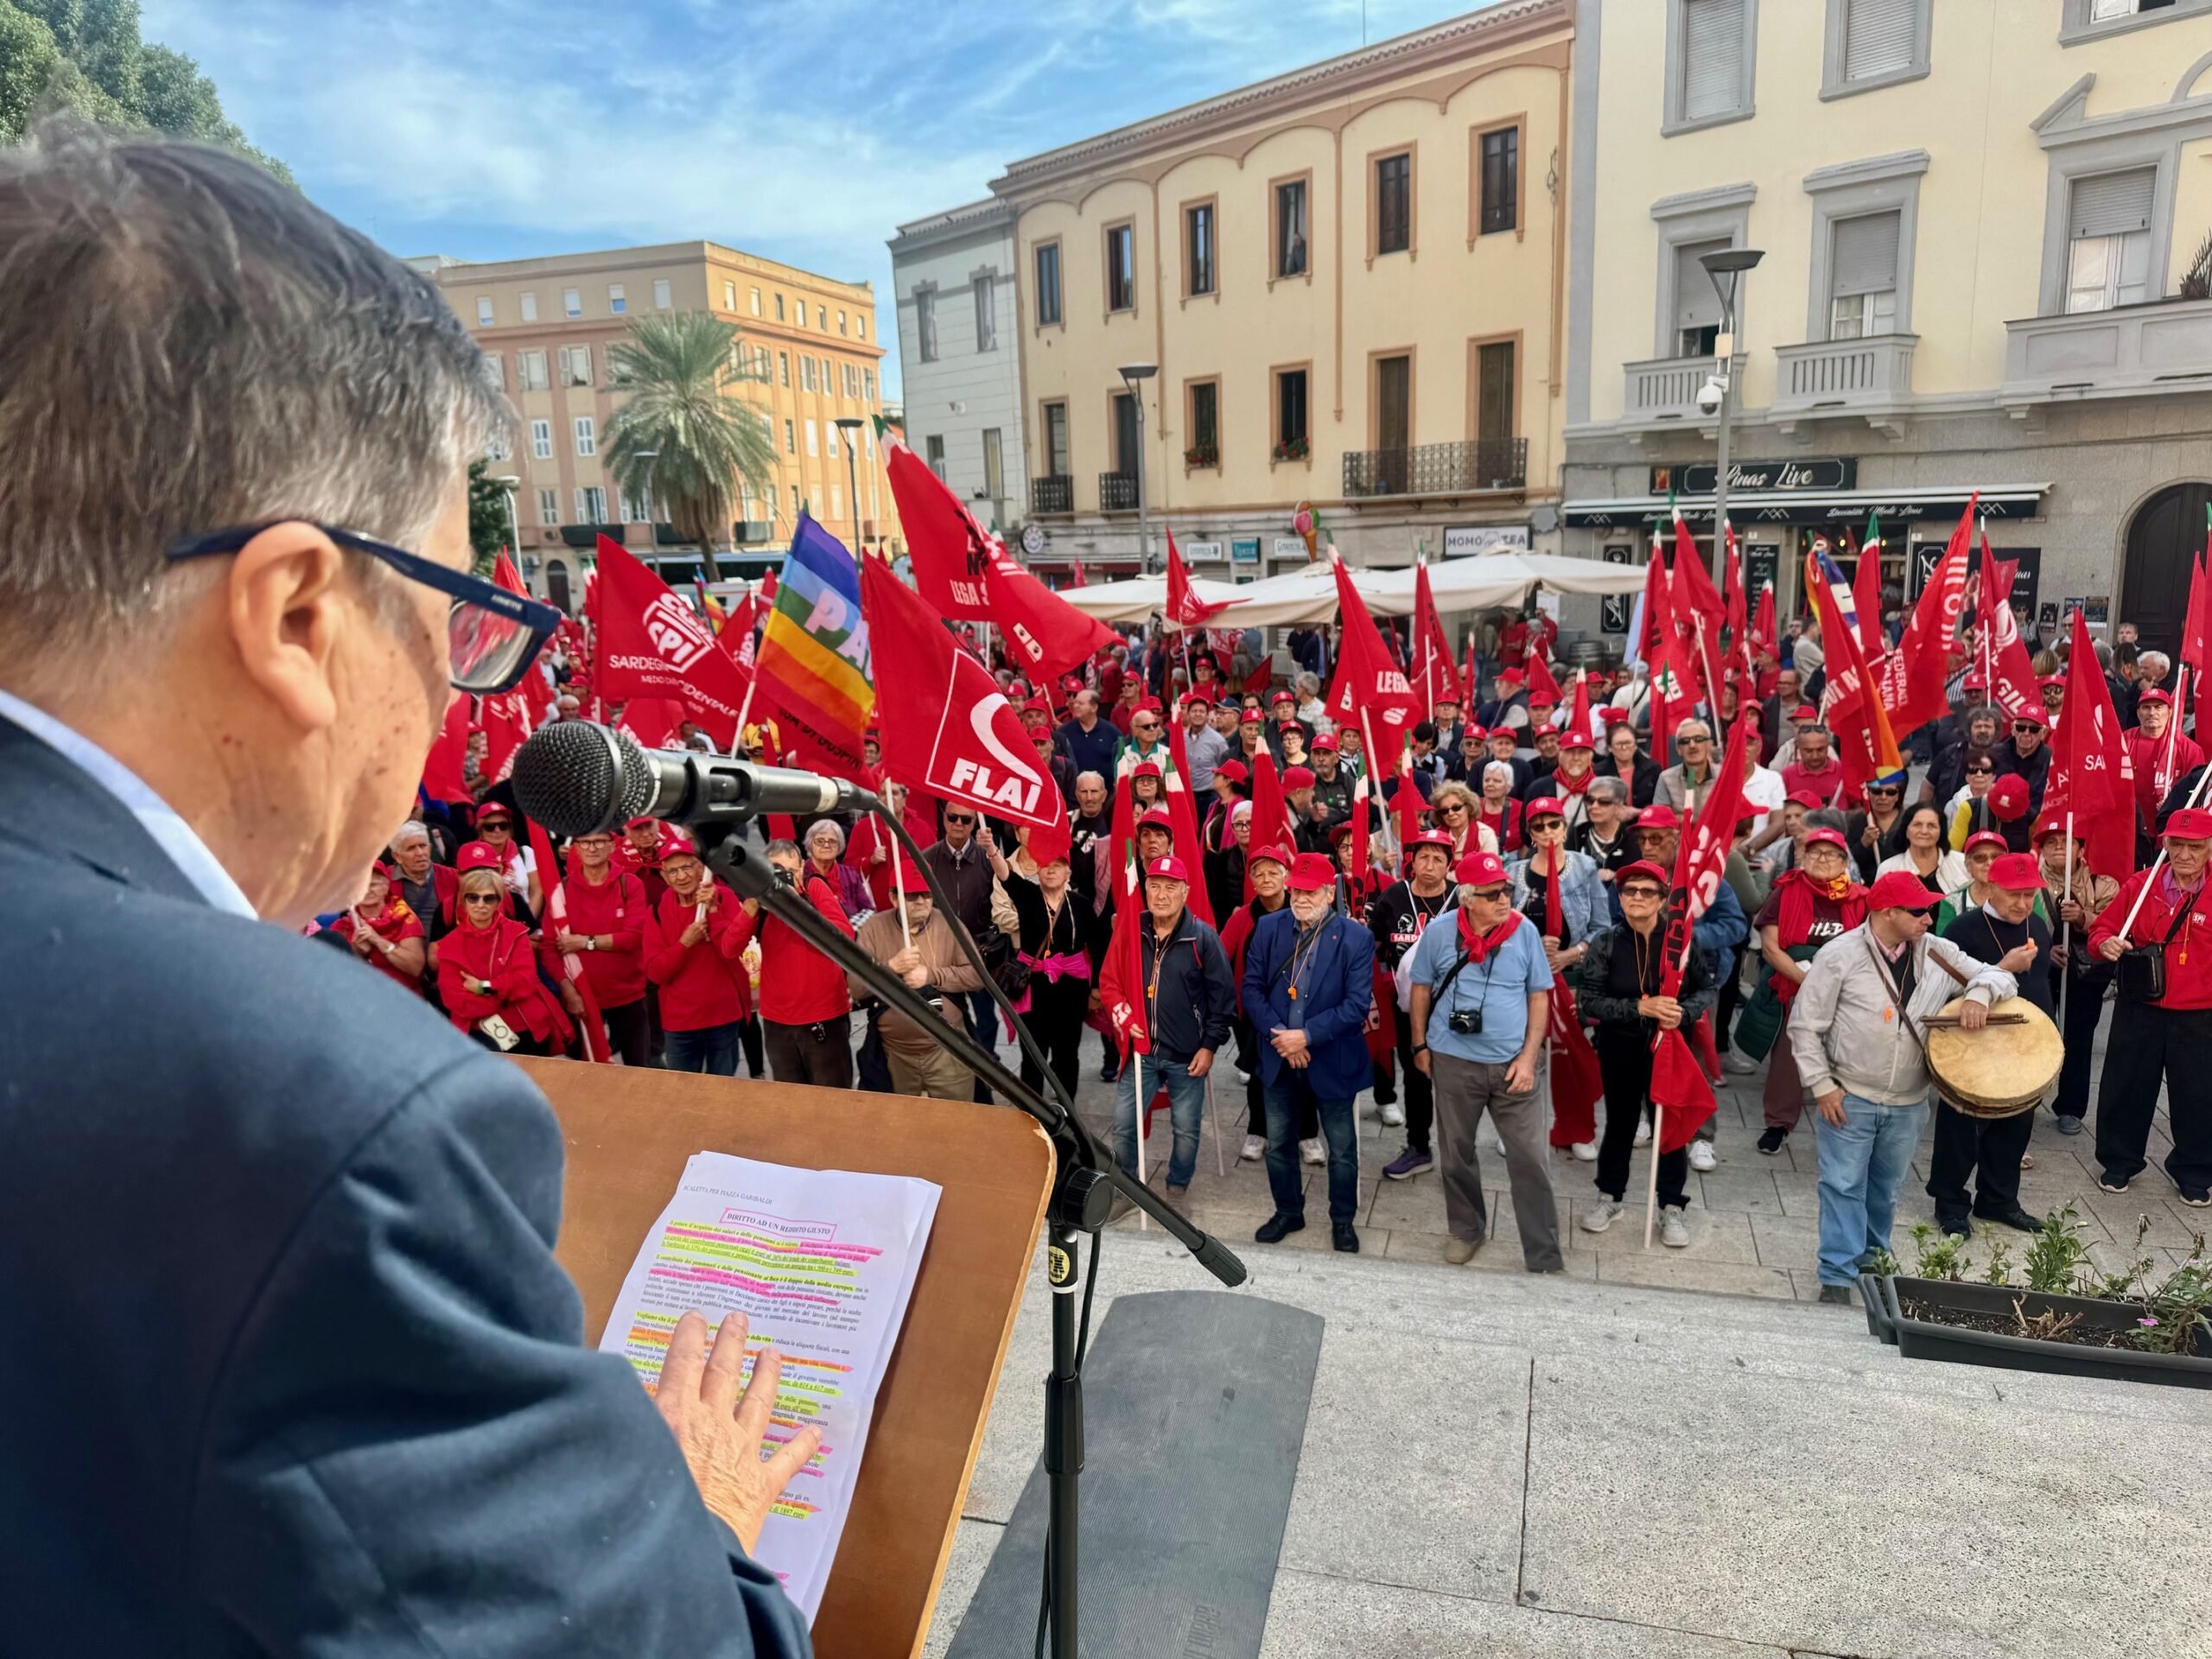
pixel 1574 786
pixel 1479 945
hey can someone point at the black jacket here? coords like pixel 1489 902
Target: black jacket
pixel 1598 1006
pixel 1193 1000
pixel 967 877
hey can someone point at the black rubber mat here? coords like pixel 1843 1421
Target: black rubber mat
pixel 1195 1405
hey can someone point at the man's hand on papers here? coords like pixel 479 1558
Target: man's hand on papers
pixel 720 1434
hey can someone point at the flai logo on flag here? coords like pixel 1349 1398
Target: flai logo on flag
pixel 1016 789
pixel 677 632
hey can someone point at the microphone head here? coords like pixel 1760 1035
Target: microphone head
pixel 576 777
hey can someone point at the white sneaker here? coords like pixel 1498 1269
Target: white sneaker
pixel 1701 1154
pixel 1674 1228
pixel 1392 1115
pixel 1254 1149
pixel 1644 1132
pixel 1316 1151
pixel 1742 1064
pixel 1585 1151
pixel 1602 1215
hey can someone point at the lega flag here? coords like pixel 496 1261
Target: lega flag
pixel 950 551
pixel 1043 633
pixel 945 726
pixel 653 643
pixel 1368 683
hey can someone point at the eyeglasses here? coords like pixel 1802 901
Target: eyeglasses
pixel 479 898
pixel 1639 893
pixel 592 841
pixel 954 817
pixel 1490 895
pixel 1453 806
pixel 2022 728
pixel 1883 789
pixel 1688 739
pixel 492 635
pixel 1983 770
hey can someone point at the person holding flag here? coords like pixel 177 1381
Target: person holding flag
pixel 1189 1005
pixel 1398 917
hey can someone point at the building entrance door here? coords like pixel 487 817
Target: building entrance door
pixel 2163 539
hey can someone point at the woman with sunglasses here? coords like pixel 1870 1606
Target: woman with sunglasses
pixel 487 970
pixel 825 852
pixel 1966 812
pixel 517 865
pixel 1807 906
pixel 1924 857
pixel 1878 832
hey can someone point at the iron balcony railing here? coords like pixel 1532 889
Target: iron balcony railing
pixel 1055 493
pixel 1438 469
pixel 1117 491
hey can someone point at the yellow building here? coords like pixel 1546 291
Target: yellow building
pixel 545 327
pixel 1350 281
pixel 1982 223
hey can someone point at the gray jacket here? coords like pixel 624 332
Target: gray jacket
pixel 1843 1032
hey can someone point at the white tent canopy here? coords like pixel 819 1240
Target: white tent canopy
pixel 1310 594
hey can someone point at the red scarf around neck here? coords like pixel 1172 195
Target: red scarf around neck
pixel 1797 891
pixel 1479 945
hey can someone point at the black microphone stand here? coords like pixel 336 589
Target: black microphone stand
pixel 1084 1179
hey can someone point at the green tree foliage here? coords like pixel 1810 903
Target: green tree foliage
pixel 683 435
pixel 86 56
pixel 487 519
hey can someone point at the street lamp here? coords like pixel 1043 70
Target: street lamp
pixel 851 425
pixel 1134 375
pixel 1725 266
pixel 511 487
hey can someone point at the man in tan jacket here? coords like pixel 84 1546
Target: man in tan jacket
pixel 933 964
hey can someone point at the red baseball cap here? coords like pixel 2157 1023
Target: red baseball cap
pixel 676 843
pixel 1251 717
pixel 1832 837
pixel 1804 711
pixel 1297 778
pixel 1578 738
pixel 1435 838
pixel 2030 716
pixel 1474 730
pixel 636 824
pixel 1509 676
pixel 2016 873
pixel 1616 716
pixel 477 855
pixel 1312 872
pixel 2155 696
pixel 1479 870
pixel 911 879
pixel 1268 855
pixel 1283 694
pixel 1325 742
pixel 1145 769
pixel 1809 799
pixel 495 810
pixel 1658 816
pixel 1899 890
pixel 1232 769
pixel 2054 825
pixel 2189 823
pixel 1973 682
pixel 1987 838
pixel 1646 869
pixel 1155 817
pixel 1290 726
pixel 1166 869
pixel 1150 706
pixel 1544 729
pixel 2008 797
pixel 1544 806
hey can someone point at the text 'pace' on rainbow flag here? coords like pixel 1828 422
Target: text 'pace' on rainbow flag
pixel 812 668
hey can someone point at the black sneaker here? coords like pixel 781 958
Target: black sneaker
pixel 1770 1140
pixel 2068 1124
pixel 1837 1294
pixel 2195 1198
pixel 1343 1237
pixel 2112 1183
pixel 1278 1227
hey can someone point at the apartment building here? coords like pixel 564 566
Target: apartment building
pixel 1986 227
pixel 1348 283
pixel 808 343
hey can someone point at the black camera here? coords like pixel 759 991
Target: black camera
pixel 1468 1022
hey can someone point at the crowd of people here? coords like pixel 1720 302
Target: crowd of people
pixel 1522 853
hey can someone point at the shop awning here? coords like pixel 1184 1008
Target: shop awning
pixel 1309 593
pixel 1849 507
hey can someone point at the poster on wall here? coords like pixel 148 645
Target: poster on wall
pixel 1762 561
pixel 1614 609
pixel 1244 549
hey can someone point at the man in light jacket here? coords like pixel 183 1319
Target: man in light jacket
pixel 1865 1066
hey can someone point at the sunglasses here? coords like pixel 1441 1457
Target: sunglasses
pixel 1639 893
pixel 2021 728
pixel 1490 895
pixel 1687 741
pixel 1984 772
pixel 954 817
pixel 1885 789
pixel 1454 806
pixel 479 898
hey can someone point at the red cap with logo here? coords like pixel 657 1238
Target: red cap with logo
pixel 1479 870
pixel 1325 742
pixel 2016 873
pixel 1155 817
pixel 1828 838
pixel 1987 838
pixel 2008 797
pixel 1232 769
pixel 1166 869
pixel 1544 806
pixel 1435 838
pixel 1645 869
pixel 1659 816
pixel 1312 872
pixel 1269 856
pixel 2189 823
pixel 477 855
pixel 1145 769
pixel 2154 695
pixel 1298 777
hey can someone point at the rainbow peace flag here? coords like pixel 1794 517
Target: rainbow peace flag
pixel 813 663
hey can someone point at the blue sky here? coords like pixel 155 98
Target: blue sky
pixel 806 132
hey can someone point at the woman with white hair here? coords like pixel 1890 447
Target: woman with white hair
pixel 825 853
pixel 1499 812
pixel 1224 865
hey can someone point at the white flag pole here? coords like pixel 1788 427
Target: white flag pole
pixel 2066 927
pixel 2144 892
pixel 1651 1188
pixel 899 893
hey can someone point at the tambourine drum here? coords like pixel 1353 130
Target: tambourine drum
pixel 1999 1070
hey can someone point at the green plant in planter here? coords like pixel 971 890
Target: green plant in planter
pixel 2178 1308
pixel 2120 1286
pixel 1999 1271
pixel 1937 1255
pixel 1883 1265
pixel 2196 281
pixel 1202 455
pixel 2057 1254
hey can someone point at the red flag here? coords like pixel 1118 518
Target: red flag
pixel 1674 687
pixel 2012 674
pixel 1654 602
pixel 1367 684
pixel 1121 979
pixel 508 720
pixel 950 729
pixel 1183 813
pixel 1184 608
pixel 950 551
pixel 1738 611
pixel 736 636
pixel 1077 579
pixel 1763 624
pixel 442 773
pixel 1914 675
pixel 556 923
pixel 2092 771
pixel 1851 706
pixel 1270 815
pixel 1681 1091
pixel 652 644
pixel 1407 803
pixel 1576 1084
pixel 1044 634
pixel 1473 683
pixel 1693 584
pixel 1543 688
pixel 1577 718
pixel 1433 675
pixel 2197 629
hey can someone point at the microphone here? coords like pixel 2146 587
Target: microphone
pixel 578 778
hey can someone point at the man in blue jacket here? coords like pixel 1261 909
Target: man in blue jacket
pixel 1190 1008
pixel 1309 980
pixel 291 1367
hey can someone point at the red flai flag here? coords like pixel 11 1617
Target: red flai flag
pixel 1914 675
pixel 1434 677
pixel 1576 1084
pixel 1045 635
pixel 1679 1085
pixel 1184 608
pixel 1183 817
pixel 2005 662
pixel 1851 706
pixel 1121 979
pixel 653 643
pixel 1368 687
pixel 2092 771
pixel 949 729
pixel 1270 815
pixel 951 551
pixel 1867 592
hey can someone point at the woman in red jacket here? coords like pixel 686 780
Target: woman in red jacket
pixel 807 1010
pixel 598 914
pixel 693 953
pixel 384 932
pixel 487 972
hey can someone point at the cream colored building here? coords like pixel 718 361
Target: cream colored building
pixel 1977 219
pixel 545 327
pixel 1352 281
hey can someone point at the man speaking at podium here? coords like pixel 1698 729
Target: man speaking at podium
pixel 291 1367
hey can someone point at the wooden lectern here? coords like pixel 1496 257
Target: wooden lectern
pixel 629 1133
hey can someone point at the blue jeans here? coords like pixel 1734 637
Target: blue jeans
pixel 1186 1104
pixel 1863 1163
pixel 711 1049
pixel 1338 1128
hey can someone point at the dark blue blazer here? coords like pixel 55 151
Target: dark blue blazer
pixel 288 1366
pixel 1335 987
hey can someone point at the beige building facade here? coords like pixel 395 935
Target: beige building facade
pixel 809 345
pixel 1986 228
pixel 1350 281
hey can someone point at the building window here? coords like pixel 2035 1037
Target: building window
pixel 2085 19
pixel 1198 249
pixel 617 301
pixel 1873 43
pixel 483 314
pixel 925 323
pixel 587 436
pixel 549 503
pixel 859 324
pixel 541 439
pixel 987 320
pixel 994 465
pixel 1291 229
pixel 497 449
pixel 790 436
pixel 813 439
pixel 530 371
pixel 591 504
pixel 1290 439
pixel 1501 181
pixel 840 322
pixel 1203 420
pixel 783 368
pixel 662 298
pixel 830 438
pixel 934 446
pixel 495 371
pixel 1048 283
pixel 530 307
pixel 806 374
pixel 572 301
pixel 636 510
pixel 575 366
pixel 2108 240
pixel 1697 303
pixel 1863 276
pixel 1709 61
pixel 753 300
pixel 1056 440
pixel 1120 267
pixel 867 384
pixel 730 295
pixel 837 501
pixel 795 507
pixel 779 307
pixel 1494 391
pixel 1394 203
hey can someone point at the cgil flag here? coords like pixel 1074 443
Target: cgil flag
pixel 1045 633
pixel 653 642
pixel 813 667
pixel 1368 687
pixel 949 550
pixel 1851 706
pixel 2092 770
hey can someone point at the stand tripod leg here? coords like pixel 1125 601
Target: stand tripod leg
pixel 1213 1116
pixel 1063 1445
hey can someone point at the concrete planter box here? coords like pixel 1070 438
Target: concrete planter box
pixel 1921 1339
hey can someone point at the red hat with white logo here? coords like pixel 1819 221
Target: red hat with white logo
pixel 1479 870
pixel 1166 869
pixel 676 843
pixel 1986 838
pixel 1544 806
pixel 1325 742
pixel 1312 872
pixel 1435 838
pixel 911 879
pixel 1825 837
pixel 1660 816
pixel 1899 890
pixel 2016 873
pixel 2154 695
pixel 477 855
pixel 2008 797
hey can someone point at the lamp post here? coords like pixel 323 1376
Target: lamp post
pixel 851 425
pixel 511 487
pixel 1726 267
pixel 1134 375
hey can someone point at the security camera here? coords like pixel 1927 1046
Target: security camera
pixel 1710 394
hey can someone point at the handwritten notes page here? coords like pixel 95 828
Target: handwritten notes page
pixel 823 1263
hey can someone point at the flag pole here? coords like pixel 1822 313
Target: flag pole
pixel 899 893
pixel 1136 1058
pixel 1988 623
pixel 2195 795
pixel 2066 927
pixel 1390 830
pixel 1651 1186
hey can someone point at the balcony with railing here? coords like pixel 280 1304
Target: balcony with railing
pixel 2128 351
pixel 1053 492
pixel 1871 378
pixel 1665 388
pixel 1465 468
pixel 1117 491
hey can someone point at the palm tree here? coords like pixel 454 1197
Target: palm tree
pixel 683 436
